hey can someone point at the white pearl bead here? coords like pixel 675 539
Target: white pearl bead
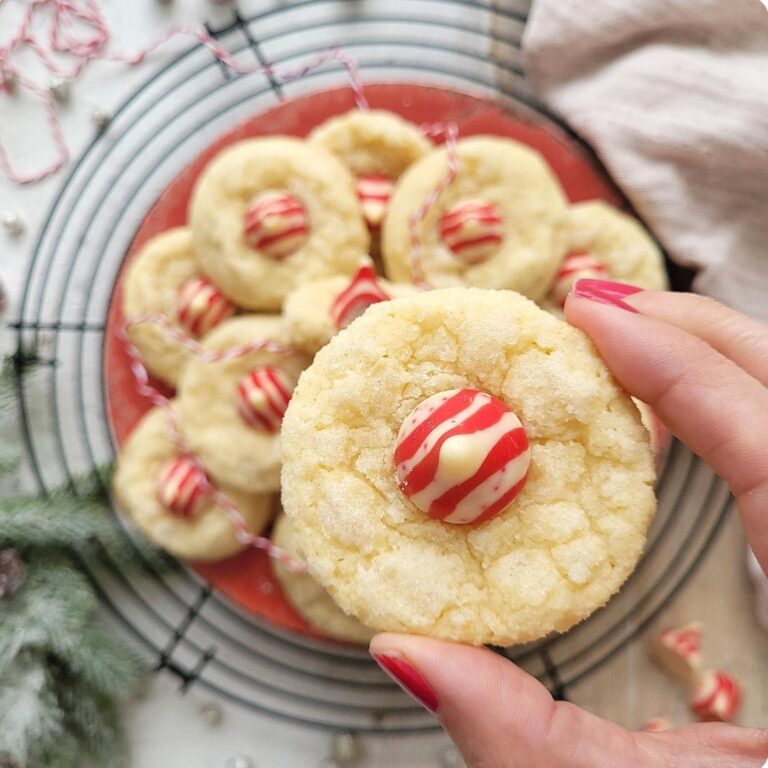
pixel 12 222
pixel 211 713
pixel 60 88
pixel 345 748
pixel 100 117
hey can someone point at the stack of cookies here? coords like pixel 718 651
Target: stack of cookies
pixel 289 245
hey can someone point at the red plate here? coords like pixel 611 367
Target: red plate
pixel 247 578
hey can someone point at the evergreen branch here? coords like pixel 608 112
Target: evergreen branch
pixel 64 752
pixel 50 610
pixel 106 665
pixel 61 677
pixel 30 715
pixel 94 717
pixel 74 517
pixel 9 459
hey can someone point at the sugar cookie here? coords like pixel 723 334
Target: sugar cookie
pixel 310 320
pixel 552 557
pixel 268 214
pixel 499 224
pixel 607 244
pixel 309 598
pixel 163 494
pixel 231 410
pixel 164 279
pixel 377 146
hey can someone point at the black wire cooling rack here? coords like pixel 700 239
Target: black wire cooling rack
pixel 181 623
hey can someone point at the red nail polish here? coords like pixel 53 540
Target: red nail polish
pixel 409 678
pixel 605 292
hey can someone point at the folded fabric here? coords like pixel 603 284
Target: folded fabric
pixel 673 97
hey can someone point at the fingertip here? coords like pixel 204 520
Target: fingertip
pixel 392 643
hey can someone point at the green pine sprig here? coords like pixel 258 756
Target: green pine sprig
pixel 62 677
pixel 74 517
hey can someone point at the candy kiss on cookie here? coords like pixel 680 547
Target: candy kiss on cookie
pixel 362 291
pixel 472 230
pixel 262 397
pixel 577 265
pixel 374 191
pixel 679 651
pixel 462 456
pixel 276 224
pixel 715 696
pixel 200 306
pixel 183 486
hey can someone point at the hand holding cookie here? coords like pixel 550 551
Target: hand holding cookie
pixel 703 368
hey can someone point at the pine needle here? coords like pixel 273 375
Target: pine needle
pixel 61 676
pixel 49 611
pixel 103 663
pixel 29 710
pixel 75 517
pixel 95 719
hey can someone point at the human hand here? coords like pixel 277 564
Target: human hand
pixel 704 370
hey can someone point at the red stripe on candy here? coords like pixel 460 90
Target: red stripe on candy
pixel 509 446
pixel 363 290
pixel 266 242
pixel 472 230
pixel 447 228
pixel 461 456
pixel 485 240
pixel 423 473
pixel 407 447
pixel 272 386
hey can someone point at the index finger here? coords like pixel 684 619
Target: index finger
pixel 706 400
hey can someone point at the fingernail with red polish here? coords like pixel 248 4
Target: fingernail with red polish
pixel 409 678
pixel 605 292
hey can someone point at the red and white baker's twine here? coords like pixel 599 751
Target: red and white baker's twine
pixel 159 400
pixel 450 132
pixel 85 47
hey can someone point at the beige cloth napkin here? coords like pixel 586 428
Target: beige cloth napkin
pixel 673 96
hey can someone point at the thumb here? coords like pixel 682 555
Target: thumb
pixel 497 715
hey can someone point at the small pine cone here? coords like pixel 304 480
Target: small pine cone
pixel 12 572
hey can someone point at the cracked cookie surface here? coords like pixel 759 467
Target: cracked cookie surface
pixel 563 547
pixel 309 598
pixel 372 141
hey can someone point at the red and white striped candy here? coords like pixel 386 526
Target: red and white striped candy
pixel 262 398
pixel 657 725
pixel 577 265
pixel 462 456
pixel 472 230
pixel 362 291
pixel 374 192
pixel 679 650
pixel 183 486
pixel 715 696
pixel 200 306
pixel 276 224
